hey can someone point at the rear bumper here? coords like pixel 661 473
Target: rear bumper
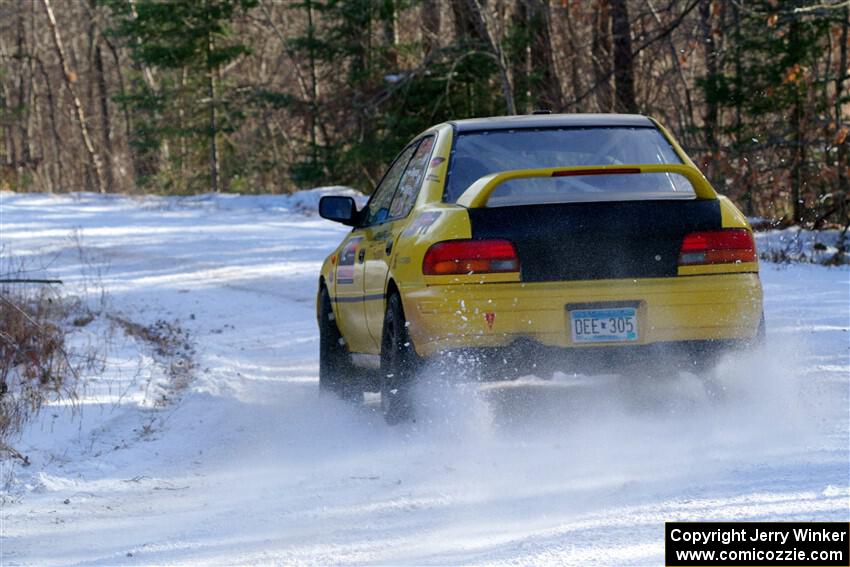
pixel 723 307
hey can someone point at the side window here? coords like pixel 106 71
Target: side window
pixel 411 180
pixel 378 209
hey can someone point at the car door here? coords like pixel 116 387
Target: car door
pixel 374 226
pixel 350 270
pixel 351 318
pixel 380 238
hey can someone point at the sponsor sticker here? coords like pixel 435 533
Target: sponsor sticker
pixel 345 269
pixel 421 224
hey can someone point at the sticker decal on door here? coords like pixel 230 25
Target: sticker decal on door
pixel 345 270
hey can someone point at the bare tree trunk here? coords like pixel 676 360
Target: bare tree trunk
pixel 797 207
pixel 388 17
pixel 106 124
pixel 49 184
pixel 314 86
pixel 146 164
pixel 601 57
pixel 799 148
pixel 464 23
pixel 471 22
pixel 710 118
pixel 147 72
pixel 548 88
pixel 214 165
pixel 44 160
pixel 51 105
pixel 749 201
pixel 121 88
pixel 430 16
pixel 491 39
pixel 40 128
pixel 24 161
pixel 520 66
pixel 576 84
pixel 624 83
pixel 309 89
pixel 9 143
pixel 686 116
pixel 69 77
pixel 841 161
pixel 7 101
pixel 185 175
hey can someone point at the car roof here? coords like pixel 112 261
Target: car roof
pixel 552 121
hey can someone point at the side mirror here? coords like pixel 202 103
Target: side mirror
pixel 338 209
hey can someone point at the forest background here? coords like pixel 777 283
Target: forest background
pixel 264 96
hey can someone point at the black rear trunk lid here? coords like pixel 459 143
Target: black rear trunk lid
pixel 594 241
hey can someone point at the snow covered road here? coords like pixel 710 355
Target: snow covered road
pixel 250 466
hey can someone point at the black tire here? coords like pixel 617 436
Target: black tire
pixel 337 374
pixel 399 363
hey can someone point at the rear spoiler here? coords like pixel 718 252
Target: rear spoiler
pixel 479 192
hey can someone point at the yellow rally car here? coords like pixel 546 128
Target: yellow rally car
pixel 525 239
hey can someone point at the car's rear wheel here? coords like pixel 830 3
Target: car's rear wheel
pixel 399 363
pixel 337 374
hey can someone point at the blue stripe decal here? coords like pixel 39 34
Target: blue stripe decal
pixel 359 298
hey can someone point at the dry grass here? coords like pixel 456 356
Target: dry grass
pixel 37 364
pixel 34 364
pixel 171 348
pixel 45 360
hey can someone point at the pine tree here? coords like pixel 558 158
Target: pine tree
pixel 179 48
pixel 764 79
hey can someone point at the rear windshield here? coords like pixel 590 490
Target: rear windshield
pixel 476 154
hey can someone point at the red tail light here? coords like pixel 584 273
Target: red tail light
pixel 730 246
pixel 470 257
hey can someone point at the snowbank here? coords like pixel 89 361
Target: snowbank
pixel 795 244
pixel 302 202
pixel 305 202
pixel 782 246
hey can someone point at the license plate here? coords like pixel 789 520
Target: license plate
pixel 604 325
